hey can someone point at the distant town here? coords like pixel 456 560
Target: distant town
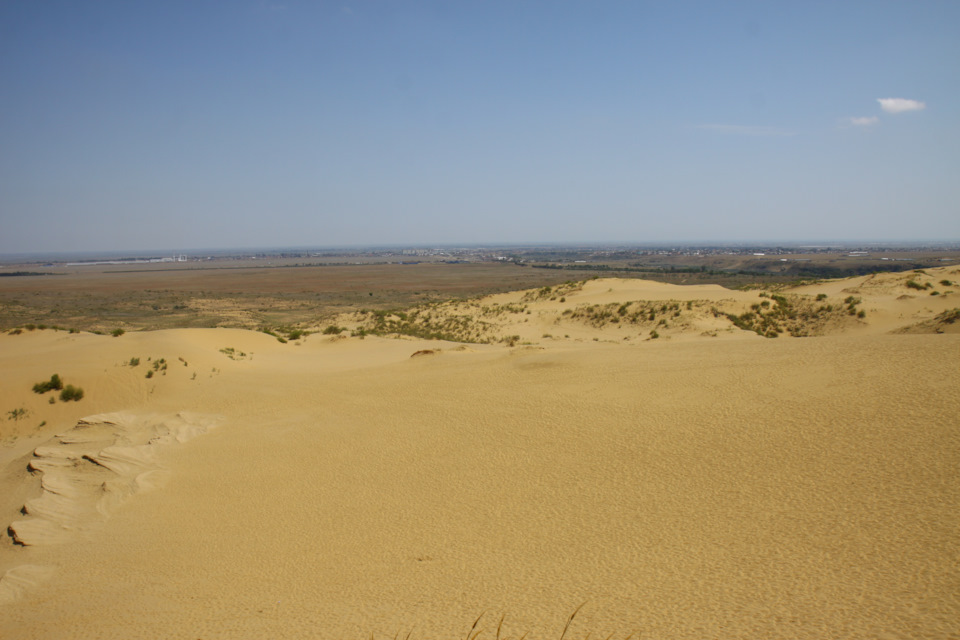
pixel 780 260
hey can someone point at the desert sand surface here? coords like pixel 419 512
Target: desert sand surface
pixel 705 483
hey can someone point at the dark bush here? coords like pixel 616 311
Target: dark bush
pixel 71 392
pixel 53 384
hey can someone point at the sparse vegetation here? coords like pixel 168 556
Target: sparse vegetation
pixel 430 323
pixel 795 315
pixel 17 414
pixel 134 362
pixel 950 316
pixel 116 333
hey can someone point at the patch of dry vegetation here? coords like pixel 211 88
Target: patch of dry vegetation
pixel 430 322
pixel 796 315
pixel 946 322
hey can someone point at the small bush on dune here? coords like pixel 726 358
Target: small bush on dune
pixel 71 392
pixel 53 384
pixel 116 333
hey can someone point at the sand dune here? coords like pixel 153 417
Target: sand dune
pixel 707 483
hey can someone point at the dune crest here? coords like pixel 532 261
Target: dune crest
pixel 633 311
pixel 91 469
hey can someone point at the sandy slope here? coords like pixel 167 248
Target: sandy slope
pixel 684 488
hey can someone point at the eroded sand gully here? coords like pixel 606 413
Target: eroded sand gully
pixel 735 488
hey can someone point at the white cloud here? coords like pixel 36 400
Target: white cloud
pixel 864 122
pixel 746 130
pixel 899 105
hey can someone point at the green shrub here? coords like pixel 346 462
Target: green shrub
pixel 17 414
pixel 134 362
pixel 913 284
pixel 821 296
pixel 71 392
pixel 946 283
pixel 116 333
pixel 333 330
pixel 53 384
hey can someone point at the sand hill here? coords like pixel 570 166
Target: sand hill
pixel 646 449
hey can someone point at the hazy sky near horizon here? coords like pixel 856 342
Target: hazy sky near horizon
pixel 179 125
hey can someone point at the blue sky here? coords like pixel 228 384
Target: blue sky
pixel 179 125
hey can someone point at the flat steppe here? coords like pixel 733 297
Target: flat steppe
pixel 637 448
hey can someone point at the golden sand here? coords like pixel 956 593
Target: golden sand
pixel 686 487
